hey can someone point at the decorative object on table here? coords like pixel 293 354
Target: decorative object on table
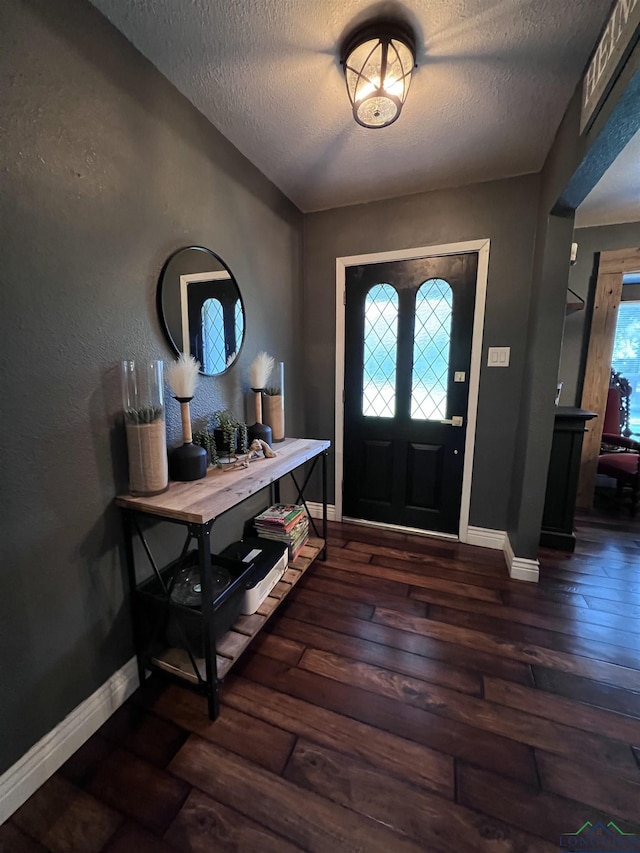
pixel 204 438
pixel 143 403
pixel 273 407
pixel 286 523
pixel 239 462
pixel 224 439
pixel 189 460
pixel 259 372
pixel 230 435
pixel 258 445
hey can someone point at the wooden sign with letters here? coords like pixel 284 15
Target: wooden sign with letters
pixel 613 48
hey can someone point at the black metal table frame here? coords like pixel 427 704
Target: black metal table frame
pixel 201 533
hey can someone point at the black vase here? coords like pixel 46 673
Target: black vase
pixel 188 462
pixel 259 430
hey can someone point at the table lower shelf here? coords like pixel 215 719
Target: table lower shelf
pixel 234 642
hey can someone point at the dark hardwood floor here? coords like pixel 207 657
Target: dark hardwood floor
pixel 408 697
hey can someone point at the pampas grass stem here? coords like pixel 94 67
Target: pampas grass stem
pixel 260 370
pixel 183 375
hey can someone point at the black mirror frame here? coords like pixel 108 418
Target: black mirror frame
pixel 160 307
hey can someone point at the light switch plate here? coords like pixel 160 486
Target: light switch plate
pixel 498 356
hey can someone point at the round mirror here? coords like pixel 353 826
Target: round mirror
pixel 201 308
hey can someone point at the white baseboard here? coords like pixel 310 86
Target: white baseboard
pixel 400 528
pixel 22 780
pixel 315 510
pixel 520 568
pixel 486 537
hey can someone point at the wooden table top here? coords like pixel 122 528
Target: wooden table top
pixel 203 500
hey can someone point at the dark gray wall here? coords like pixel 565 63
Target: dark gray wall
pixel 106 170
pixel 573 166
pixel 591 241
pixel 503 211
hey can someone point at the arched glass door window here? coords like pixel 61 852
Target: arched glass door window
pixel 239 323
pixel 380 351
pixel 431 344
pixel 213 350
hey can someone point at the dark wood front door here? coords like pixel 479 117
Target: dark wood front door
pixel 408 331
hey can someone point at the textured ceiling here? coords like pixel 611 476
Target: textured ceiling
pixel 493 80
pixel 616 196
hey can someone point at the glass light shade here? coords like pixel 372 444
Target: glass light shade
pixel 378 67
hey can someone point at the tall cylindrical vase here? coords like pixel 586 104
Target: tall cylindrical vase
pixel 273 407
pixel 143 404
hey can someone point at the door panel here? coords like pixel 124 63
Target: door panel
pixel 408 328
pixel 377 466
pixel 424 475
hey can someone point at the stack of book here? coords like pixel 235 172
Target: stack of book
pixel 284 523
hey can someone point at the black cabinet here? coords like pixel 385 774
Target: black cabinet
pixel 562 480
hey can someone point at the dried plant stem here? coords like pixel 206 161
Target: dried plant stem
pixel 185 414
pixel 183 375
pixel 260 370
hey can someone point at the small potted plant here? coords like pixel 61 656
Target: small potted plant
pixel 204 438
pixel 230 434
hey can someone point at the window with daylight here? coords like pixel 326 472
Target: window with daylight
pixel 431 342
pixel 380 352
pixel 626 357
pixel 213 353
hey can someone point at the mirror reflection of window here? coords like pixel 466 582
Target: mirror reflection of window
pixel 213 351
pixel 211 323
pixel 239 322
pixel 201 308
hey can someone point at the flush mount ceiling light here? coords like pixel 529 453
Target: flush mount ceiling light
pixel 378 60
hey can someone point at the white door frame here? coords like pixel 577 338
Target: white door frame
pixel 482 248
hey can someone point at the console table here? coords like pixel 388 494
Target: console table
pixel 198 505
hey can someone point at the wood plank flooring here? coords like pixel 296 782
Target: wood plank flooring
pixel 407 697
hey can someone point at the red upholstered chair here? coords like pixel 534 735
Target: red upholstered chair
pixel 619 456
pixel 612 414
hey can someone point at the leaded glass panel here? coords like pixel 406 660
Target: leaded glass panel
pixel 380 352
pixel 431 342
pixel 213 355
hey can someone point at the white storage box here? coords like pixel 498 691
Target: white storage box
pixel 270 560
